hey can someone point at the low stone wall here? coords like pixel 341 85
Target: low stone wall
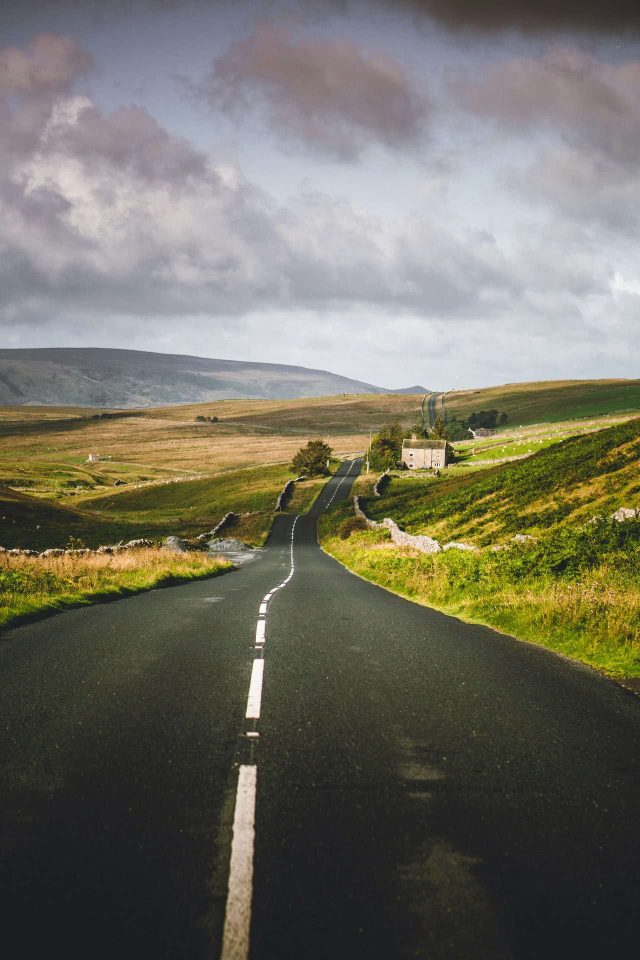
pixel 429 545
pixel 285 495
pixel 226 521
pixel 400 538
pixel 381 484
pixel 76 552
pixel 287 492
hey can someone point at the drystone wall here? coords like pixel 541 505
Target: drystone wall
pixel 403 539
pixel 428 545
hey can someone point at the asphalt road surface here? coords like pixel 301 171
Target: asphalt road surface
pixel 423 788
pixel 430 415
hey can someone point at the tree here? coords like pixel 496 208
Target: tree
pixel 386 447
pixel 312 459
pixel 439 431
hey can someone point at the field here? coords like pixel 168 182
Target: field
pixel 48 456
pixel 573 587
pixel 548 401
pixel 162 472
pixel 154 510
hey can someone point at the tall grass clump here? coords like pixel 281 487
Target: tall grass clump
pixel 31 586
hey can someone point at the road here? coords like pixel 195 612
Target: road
pixel 424 788
pixel 430 415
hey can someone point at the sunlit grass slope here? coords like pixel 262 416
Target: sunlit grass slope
pixel 548 401
pixel 567 482
pixel 574 588
pixel 31 586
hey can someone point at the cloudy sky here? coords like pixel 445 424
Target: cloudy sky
pixel 442 192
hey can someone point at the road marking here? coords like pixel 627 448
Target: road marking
pixel 254 700
pixel 341 482
pixel 237 921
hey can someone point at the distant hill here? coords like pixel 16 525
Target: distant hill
pixel 96 377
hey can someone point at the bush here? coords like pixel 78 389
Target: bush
pixel 350 525
pixel 312 460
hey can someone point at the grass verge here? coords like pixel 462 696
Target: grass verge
pixel 579 596
pixel 34 586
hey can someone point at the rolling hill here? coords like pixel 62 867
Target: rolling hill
pixel 547 401
pixel 96 377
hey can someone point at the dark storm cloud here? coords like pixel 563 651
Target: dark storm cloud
pixel 332 95
pixel 528 15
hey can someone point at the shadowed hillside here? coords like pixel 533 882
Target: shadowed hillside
pixel 96 377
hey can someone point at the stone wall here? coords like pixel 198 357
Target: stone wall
pixel 226 521
pixel 402 539
pixel 429 545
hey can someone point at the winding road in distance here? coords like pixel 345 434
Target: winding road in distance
pixel 400 784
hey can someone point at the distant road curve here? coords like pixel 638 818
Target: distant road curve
pixel 429 408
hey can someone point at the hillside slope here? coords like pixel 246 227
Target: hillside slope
pixel 547 401
pixel 98 377
pixel 570 481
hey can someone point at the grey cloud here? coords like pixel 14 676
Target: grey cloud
pixel 590 110
pixel 48 63
pixel 107 214
pixel 329 94
pixel 588 102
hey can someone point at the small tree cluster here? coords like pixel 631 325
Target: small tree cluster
pixel 489 419
pixel 201 419
pixel 311 460
pixel 386 447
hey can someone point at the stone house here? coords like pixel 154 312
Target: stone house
pixel 94 458
pixel 425 454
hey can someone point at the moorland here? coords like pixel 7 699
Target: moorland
pixel 563 461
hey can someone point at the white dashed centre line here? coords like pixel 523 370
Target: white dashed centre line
pixel 237 921
pixel 254 699
pixel 235 941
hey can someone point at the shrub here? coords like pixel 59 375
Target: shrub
pixel 349 526
pixel 312 459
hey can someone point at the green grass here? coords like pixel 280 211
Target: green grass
pixel 578 595
pixel 568 482
pixel 574 588
pixel 548 401
pixel 31 587
pixel 185 508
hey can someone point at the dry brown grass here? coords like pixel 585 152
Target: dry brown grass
pixel 49 455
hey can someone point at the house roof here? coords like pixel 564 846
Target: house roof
pixel 424 444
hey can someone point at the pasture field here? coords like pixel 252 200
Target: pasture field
pixel 48 456
pixel 548 401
